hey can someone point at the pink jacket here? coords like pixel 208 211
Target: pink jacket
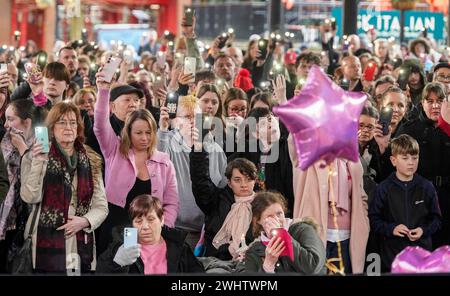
pixel 311 200
pixel 120 172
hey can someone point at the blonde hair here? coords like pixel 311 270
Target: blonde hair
pixel 188 102
pixel 125 141
pixel 80 94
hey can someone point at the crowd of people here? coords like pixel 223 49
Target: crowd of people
pixel 207 198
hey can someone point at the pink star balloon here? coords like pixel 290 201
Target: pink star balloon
pixel 418 260
pixel 323 120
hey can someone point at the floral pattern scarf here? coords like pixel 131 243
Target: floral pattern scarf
pixel 57 196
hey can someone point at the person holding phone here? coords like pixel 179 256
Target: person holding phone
pixel 434 157
pixel 188 24
pixel 133 165
pixel 268 214
pixel 65 186
pixel 178 144
pixel 21 118
pixel 264 145
pixel 405 210
pixel 158 249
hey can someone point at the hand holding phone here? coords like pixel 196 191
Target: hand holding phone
pixel 110 68
pixel 369 72
pixel 189 17
pixel 33 72
pixel 203 122
pixel 130 237
pixel 285 237
pixel 190 65
pixel 262 47
pixel 385 119
pixel 172 104
pixel 41 134
pixel 223 38
pixel 161 59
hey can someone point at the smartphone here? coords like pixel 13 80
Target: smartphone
pixel 41 134
pixel 223 38
pixel 160 82
pixel 402 79
pixel 3 67
pixel 203 122
pixel 287 239
pixel 172 104
pixel 385 119
pixel 41 59
pixel 33 71
pixel 369 72
pixel 189 16
pixel 262 46
pixel 110 68
pixel 130 237
pixel 190 64
pixel 333 24
pixel 161 59
pixel 345 84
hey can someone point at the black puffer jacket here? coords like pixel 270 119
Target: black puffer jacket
pixel 180 258
pixel 213 201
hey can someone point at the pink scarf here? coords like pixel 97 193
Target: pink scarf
pixel 341 185
pixel 236 224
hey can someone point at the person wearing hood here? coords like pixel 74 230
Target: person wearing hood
pixel 412 76
pixel 434 158
pixel 267 148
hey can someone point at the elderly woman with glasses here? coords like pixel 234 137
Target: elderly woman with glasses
pixel 66 188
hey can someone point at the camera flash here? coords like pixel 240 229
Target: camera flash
pixel 141 66
pixel 230 30
pixel 166 32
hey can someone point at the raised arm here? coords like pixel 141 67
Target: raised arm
pixel 103 130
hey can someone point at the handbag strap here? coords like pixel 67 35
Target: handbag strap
pixel 33 221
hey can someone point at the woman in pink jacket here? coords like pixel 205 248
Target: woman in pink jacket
pixel 312 199
pixel 133 166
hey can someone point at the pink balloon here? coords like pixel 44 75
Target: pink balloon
pixel 419 260
pixel 323 120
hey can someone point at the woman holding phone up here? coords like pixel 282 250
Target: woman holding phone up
pixel 133 166
pixel 65 185
pixel 264 255
pixel 158 249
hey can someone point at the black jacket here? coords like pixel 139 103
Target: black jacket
pixel 309 253
pixel 278 173
pixel 413 204
pixel 180 258
pixel 434 157
pixel 214 202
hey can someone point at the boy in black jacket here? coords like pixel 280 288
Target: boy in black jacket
pixel 405 210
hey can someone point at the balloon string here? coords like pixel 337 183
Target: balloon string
pixel 332 267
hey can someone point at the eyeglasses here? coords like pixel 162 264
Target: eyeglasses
pixel 368 127
pixel 64 123
pixel 443 78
